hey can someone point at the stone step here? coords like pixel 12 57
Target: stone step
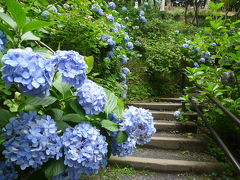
pixel 168 115
pixel 158 106
pixel 177 142
pixel 169 161
pixel 162 125
pixel 175 100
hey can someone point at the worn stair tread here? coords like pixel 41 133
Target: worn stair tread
pixel 172 165
pixel 170 99
pixel 166 122
pixel 172 112
pixel 171 154
pixel 182 137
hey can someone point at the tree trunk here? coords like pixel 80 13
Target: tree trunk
pixel 207 4
pixel 162 8
pixel 168 4
pixel 186 10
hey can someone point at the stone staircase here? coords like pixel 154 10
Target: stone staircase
pixel 176 147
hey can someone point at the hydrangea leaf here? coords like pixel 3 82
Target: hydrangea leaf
pixel 54 167
pixel 37 101
pixel 111 101
pixel 90 62
pixel 61 125
pixel 73 118
pixel 121 137
pixel 29 36
pixel 118 110
pixel 109 125
pixel 63 88
pixel 57 114
pixel 33 25
pixel 8 20
pixel 76 107
pixel 5 116
pixel 44 52
pixel 17 12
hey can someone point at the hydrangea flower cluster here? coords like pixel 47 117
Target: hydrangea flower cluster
pixel 142 17
pixel 85 148
pixel 72 66
pixel 124 149
pixel 145 4
pixel 111 5
pixel 125 72
pixel 3 41
pixel 50 8
pixel 129 45
pixel 176 114
pixel 123 58
pixel 7 171
pixel 110 18
pixel 138 123
pixel 31 140
pixel 124 8
pixel 29 70
pixel 228 78
pixel 98 10
pixel 92 98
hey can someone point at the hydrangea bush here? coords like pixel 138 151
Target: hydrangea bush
pixel 58 121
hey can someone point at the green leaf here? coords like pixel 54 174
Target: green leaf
pixel 37 101
pixel 76 107
pixel 5 116
pixel 109 125
pixel 33 25
pixel 118 110
pixel 54 167
pixel 44 52
pixel 29 36
pixel 63 88
pixel 61 125
pixel 8 20
pixel 43 2
pixel 121 137
pixel 111 101
pixel 73 118
pixel 57 114
pixel 90 62
pixel 17 12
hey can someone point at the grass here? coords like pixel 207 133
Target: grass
pixel 116 172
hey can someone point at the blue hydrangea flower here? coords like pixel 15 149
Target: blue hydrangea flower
pixel 198 48
pixel 125 86
pixel 31 140
pixel 111 42
pixel 141 13
pixel 143 19
pixel 84 148
pixel 185 45
pixel 107 59
pixel 176 114
pixel 129 45
pixel 126 38
pixel 123 78
pixel 70 173
pixel 123 58
pixel 91 97
pixel 72 66
pixel 29 70
pixel 202 60
pixel 196 64
pixel 125 70
pixel 117 27
pixel 124 149
pixel 214 44
pixel 110 18
pixel 145 4
pixel 177 31
pixel 137 42
pixel 7 171
pixel 111 5
pixel 50 8
pixel 110 53
pixel 124 95
pixel 138 123
pixel 98 10
pixel 139 55
pixel 126 18
pixel 124 8
pixel 3 41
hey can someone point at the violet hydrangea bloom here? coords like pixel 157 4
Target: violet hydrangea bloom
pixel 3 41
pixel 138 123
pixel 85 148
pixel 129 45
pixel 29 70
pixel 111 5
pixel 91 97
pixel 7 171
pixel 31 140
pixel 72 66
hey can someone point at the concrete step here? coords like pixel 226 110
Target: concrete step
pixel 168 115
pixel 169 161
pixel 158 106
pixel 166 126
pixel 175 100
pixel 177 142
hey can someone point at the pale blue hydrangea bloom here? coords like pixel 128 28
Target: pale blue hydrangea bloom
pixel 84 148
pixel 198 48
pixel 111 52
pixel 111 42
pixel 143 19
pixel 124 8
pixel 124 149
pixel 177 31
pixel 145 4
pixel 98 10
pixel 126 38
pixel 185 45
pixel 176 114
pixel 72 67
pixel 123 78
pixel 138 123
pixel 70 173
pixel 107 58
pixel 125 86
pixel 3 41
pixel 123 58
pixel 137 42
pixel 50 8
pixel 7 171
pixel 214 44
pixel 125 70
pixel 91 97
pixel 31 140
pixel 110 18
pixel 196 64
pixel 126 18
pixel 141 13
pixel 129 45
pixel 202 60
pixel 29 70
pixel 111 5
